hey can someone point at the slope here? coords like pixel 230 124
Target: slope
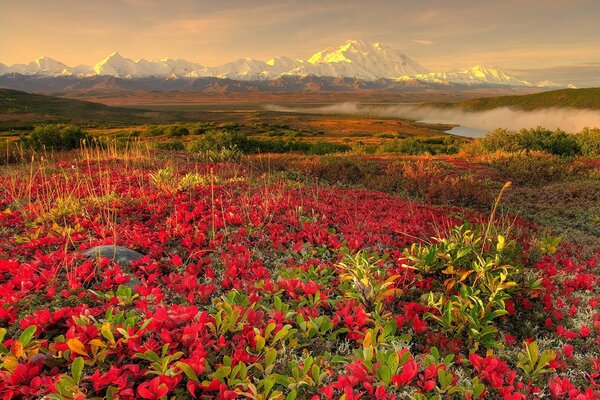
pixel 20 109
pixel 588 98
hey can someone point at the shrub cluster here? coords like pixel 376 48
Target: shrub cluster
pixel 421 145
pixel 224 139
pixel 557 142
pixel 56 137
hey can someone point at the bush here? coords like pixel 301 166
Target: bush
pixel 538 139
pixel 534 168
pixel 172 145
pixel 321 148
pixel 177 131
pixel 589 142
pixel 472 272
pixel 154 130
pixel 417 146
pixel 219 140
pixel 56 137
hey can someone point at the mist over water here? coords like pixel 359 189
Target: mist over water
pixel 471 123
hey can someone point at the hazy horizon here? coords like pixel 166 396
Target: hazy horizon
pixel 513 34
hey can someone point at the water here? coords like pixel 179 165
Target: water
pixel 467 131
pixel 458 130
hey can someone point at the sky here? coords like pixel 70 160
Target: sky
pixel 441 35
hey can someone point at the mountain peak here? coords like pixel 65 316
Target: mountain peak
pixel 356 59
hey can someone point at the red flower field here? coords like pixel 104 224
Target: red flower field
pixel 260 288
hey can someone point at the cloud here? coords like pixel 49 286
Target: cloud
pixel 423 42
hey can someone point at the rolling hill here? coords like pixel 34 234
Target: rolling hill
pixel 565 98
pixel 20 110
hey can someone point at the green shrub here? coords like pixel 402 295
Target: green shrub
pixel 56 137
pixel 219 140
pixel 533 168
pixel 153 130
pixel 473 272
pixel 537 139
pixel 321 148
pixel 417 146
pixel 172 145
pixel 589 142
pixel 177 131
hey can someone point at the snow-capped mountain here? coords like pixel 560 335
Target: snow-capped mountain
pixel 478 75
pixel 361 60
pixel 40 66
pixel 354 59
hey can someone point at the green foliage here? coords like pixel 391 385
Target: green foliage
pixel 587 98
pixel 473 275
pixel 220 140
pixel 367 280
pixel 163 364
pixel 532 169
pixel 534 363
pixel 153 130
pixel 163 178
pixel 589 142
pixel 177 131
pixel 538 139
pixel 422 145
pixel 191 180
pixel 174 145
pixel 56 137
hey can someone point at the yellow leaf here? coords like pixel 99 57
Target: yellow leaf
pixel 449 270
pixel 96 344
pixel 10 363
pixel 77 347
pixel 367 340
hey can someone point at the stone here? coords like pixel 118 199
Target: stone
pixel 120 255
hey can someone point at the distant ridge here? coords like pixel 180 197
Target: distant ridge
pixel 354 59
pixel 588 98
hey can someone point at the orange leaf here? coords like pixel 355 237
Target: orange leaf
pixel 77 347
pixel 17 349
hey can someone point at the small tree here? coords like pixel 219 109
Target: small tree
pixel 56 137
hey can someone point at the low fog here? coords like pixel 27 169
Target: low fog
pixel 569 120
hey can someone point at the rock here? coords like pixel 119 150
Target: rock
pixel 120 255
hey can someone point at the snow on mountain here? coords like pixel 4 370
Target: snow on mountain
pixel 40 66
pixel 116 65
pixel 119 66
pixel 358 59
pixel 354 59
pixel 243 69
pixel 547 84
pixel 280 65
pixel 478 75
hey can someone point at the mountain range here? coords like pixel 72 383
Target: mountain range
pixel 353 62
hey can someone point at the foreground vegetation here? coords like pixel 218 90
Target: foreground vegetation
pixel 279 277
